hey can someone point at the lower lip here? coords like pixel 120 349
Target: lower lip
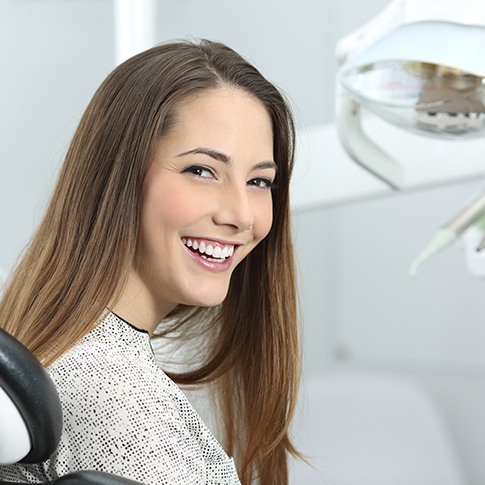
pixel 210 265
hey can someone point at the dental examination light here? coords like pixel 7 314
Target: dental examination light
pixel 420 66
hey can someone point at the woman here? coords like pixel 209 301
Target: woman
pixel 171 212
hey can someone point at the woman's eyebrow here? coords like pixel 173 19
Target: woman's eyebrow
pixel 266 164
pixel 222 157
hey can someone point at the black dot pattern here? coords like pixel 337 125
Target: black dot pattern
pixel 123 415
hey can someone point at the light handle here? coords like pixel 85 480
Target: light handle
pixel 360 147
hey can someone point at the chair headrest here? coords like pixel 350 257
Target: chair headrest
pixel 26 382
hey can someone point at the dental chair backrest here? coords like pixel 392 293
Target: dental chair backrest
pixel 31 415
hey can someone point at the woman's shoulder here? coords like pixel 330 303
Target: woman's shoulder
pixel 112 347
pixel 112 370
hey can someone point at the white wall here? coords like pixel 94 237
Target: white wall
pixel 361 310
pixel 53 54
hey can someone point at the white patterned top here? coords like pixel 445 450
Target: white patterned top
pixel 123 415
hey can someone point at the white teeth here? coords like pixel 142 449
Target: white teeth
pixel 217 252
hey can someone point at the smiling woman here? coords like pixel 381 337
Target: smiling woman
pixel 171 213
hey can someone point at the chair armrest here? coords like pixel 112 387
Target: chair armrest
pixel 93 478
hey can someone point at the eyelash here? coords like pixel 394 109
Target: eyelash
pixel 268 183
pixel 198 170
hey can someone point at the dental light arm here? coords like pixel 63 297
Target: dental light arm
pixel 366 35
pixel 360 147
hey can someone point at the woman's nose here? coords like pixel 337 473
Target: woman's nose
pixel 235 209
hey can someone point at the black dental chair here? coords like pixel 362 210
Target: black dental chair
pixel 31 415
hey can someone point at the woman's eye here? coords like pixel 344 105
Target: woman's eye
pixel 261 183
pixel 199 171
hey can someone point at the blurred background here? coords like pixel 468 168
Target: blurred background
pixel 394 367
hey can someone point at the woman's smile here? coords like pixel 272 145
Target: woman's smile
pixel 210 254
pixel 210 249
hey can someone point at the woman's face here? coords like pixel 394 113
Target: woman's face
pixel 206 201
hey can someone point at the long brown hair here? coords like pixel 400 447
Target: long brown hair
pixel 77 262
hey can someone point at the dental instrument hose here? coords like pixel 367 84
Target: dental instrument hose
pixel 450 232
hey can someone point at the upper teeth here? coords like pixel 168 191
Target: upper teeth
pixel 209 249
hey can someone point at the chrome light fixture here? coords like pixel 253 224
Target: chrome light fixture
pixel 420 66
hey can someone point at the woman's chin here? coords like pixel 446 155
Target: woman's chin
pixel 208 298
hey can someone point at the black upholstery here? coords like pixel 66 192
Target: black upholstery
pixel 32 391
pixel 87 478
pixel 91 478
pixel 30 388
